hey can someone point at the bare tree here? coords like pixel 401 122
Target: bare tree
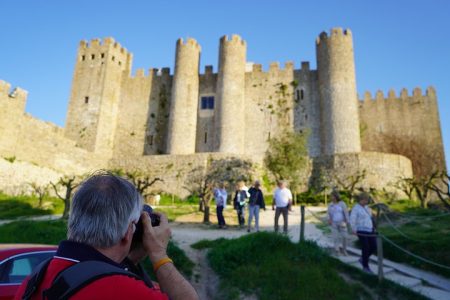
pixel 202 180
pixel 40 191
pixel 69 183
pixel 441 186
pixel 406 186
pixel 421 187
pixel 140 180
pixel 350 184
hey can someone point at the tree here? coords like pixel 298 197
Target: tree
pixel 287 158
pixel 69 183
pixel 418 186
pixel 349 184
pixel 441 186
pixel 141 181
pixel 202 180
pixel 40 191
pixel 406 186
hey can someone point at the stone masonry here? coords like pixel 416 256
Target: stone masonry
pixel 116 119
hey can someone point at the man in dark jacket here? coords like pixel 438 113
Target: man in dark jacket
pixel 256 202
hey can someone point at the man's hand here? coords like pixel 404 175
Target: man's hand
pixel 273 207
pixel 156 238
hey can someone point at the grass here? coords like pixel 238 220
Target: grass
pixel 270 266
pixel 167 199
pixel 53 232
pixel 13 207
pixel 428 236
pixel 173 212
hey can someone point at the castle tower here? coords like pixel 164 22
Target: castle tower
pixel 184 104
pixel 93 106
pixel 230 112
pixel 338 99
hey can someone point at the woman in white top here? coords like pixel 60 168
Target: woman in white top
pixel 362 226
pixel 338 219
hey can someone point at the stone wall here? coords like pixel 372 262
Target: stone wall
pixel 407 125
pixel 173 169
pixel 16 176
pixel 40 143
pixel 382 170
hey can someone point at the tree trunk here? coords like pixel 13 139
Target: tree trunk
pixel 201 205
pixel 206 215
pixel 66 208
pixel 67 202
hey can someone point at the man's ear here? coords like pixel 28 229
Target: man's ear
pixel 128 234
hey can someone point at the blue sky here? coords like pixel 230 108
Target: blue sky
pixel 401 43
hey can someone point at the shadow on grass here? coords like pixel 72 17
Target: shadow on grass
pixel 12 209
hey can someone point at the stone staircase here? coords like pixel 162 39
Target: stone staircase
pixel 428 284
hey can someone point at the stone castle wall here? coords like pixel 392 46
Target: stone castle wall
pixel 408 125
pixel 172 169
pixel 382 170
pixel 25 138
pixel 116 120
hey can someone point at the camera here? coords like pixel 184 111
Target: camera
pixel 137 237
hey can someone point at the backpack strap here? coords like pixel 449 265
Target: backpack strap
pixel 79 275
pixel 35 279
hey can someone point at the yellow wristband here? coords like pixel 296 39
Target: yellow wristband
pixel 161 263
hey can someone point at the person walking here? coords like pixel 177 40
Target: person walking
pixel 240 199
pixel 362 226
pixel 282 197
pixel 220 196
pixel 255 203
pixel 338 220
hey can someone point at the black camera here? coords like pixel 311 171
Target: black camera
pixel 137 237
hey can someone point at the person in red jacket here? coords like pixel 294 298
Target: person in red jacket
pixel 104 213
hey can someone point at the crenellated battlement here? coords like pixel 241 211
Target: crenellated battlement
pixel 190 42
pixel 159 72
pixel 16 93
pixel 97 43
pixel 140 73
pixel 415 94
pixel 209 70
pixel 98 51
pixel 305 66
pixel 234 39
pixel 335 33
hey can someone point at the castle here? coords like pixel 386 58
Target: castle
pixel 168 123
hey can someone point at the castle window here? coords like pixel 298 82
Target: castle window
pixel 150 140
pixel 206 137
pixel 92 56
pixel 120 63
pixel 300 94
pixel 207 102
pixel 103 55
pixel 83 57
pixel 86 100
pixel 113 58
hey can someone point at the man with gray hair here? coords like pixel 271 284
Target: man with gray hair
pixel 104 213
pixel 282 198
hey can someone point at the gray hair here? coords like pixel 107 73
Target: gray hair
pixel 102 209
